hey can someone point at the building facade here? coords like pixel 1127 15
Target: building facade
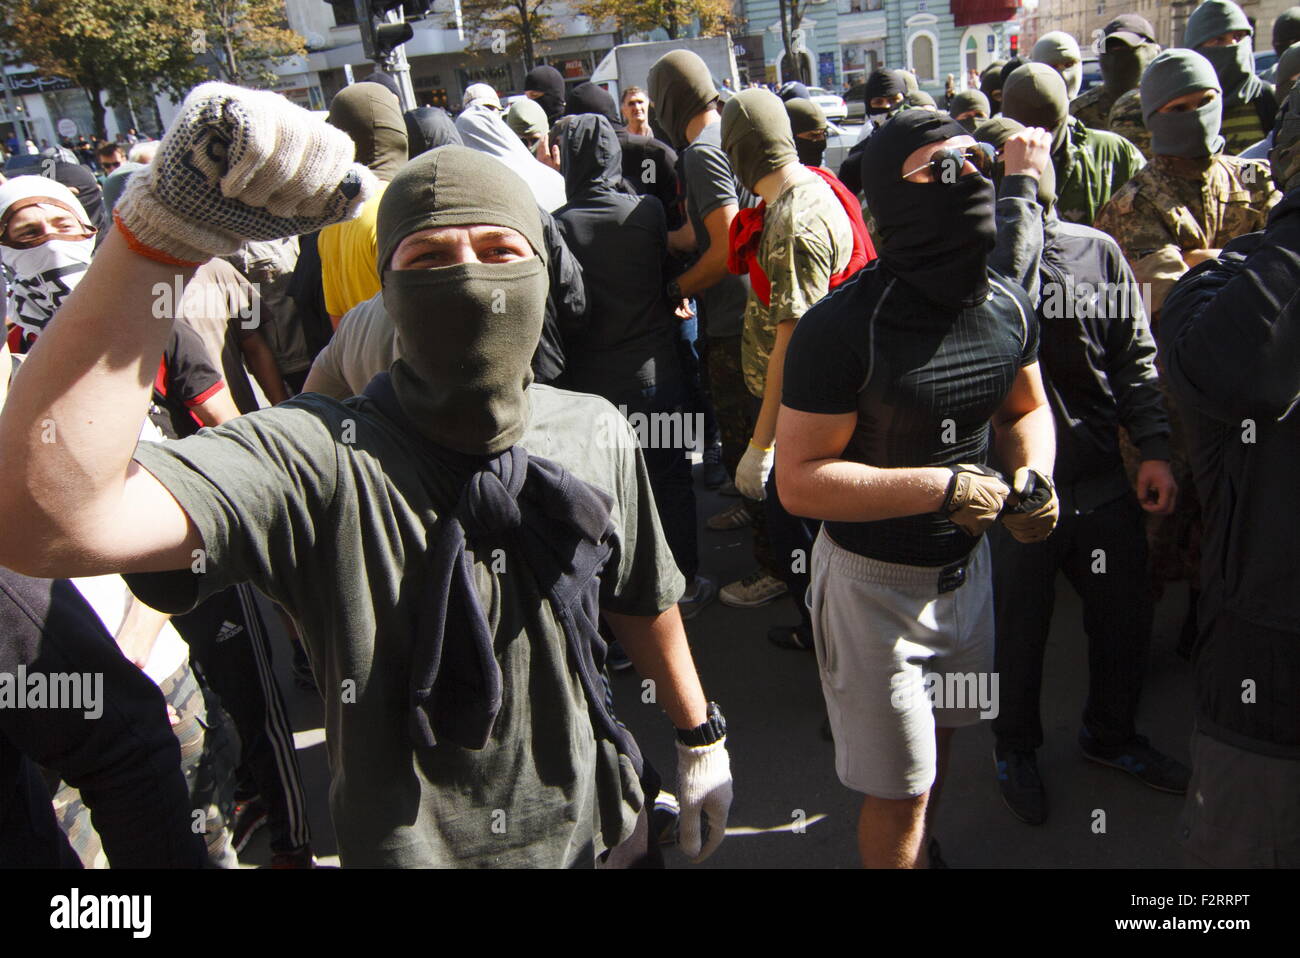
pixel 1084 19
pixel 844 40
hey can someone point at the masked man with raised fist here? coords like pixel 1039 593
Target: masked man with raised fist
pixel 446 542
pixel 889 387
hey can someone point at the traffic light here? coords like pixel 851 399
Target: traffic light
pixel 1014 39
pixel 379 38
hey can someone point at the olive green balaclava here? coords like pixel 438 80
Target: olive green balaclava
pixel 465 333
pixel 680 87
pixel 372 117
pixel 966 101
pixel 1035 95
pixel 1285 155
pixel 1060 51
pixel 991 85
pixel 756 135
pixel 996 132
pixel 1288 66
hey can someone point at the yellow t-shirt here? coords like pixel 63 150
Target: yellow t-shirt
pixel 347 258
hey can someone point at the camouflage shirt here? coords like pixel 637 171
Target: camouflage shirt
pixel 1164 212
pixel 1095 164
pixel 1125 118
pixel 1093 106
pixel 807 239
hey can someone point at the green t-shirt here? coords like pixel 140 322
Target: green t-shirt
pixel 326 507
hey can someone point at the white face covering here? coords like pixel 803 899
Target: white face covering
pixel 41 278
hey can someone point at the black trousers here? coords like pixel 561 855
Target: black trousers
pixel 792 540
pixel 228 639
pixel 1103 555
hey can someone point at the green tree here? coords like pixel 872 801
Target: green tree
pixel 106 46
pixel 513 27
pixel 642 16
pixel 246 38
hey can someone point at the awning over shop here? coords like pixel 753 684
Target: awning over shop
pixel 966 13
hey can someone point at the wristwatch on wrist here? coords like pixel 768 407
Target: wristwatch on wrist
pixel 714 728
pixel 674 291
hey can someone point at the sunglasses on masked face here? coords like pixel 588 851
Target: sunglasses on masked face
pixel 945 166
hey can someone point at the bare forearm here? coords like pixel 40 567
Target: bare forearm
pixel 1029 440
pixel 264 368
pixel 840 491
pixel 708 271
pixel 73 416
pixel 765 427
pixel 658 648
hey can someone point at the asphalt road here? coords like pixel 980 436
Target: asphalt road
pixel 784 771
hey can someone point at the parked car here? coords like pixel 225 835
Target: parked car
pixel 840 139
pixel 1264 59
pixel 855 103
pixel 832 105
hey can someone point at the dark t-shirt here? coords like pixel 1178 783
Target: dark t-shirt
pixel 185 379
pixel 327 508
pixel 924 383
pixel 710 184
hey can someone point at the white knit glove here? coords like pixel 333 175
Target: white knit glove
pixel 240 165
pixel 703 788
pixel 751 474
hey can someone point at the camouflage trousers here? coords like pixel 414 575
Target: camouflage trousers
pixel 737 412
pixel 209 753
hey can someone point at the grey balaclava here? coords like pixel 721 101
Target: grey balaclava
pixel 1035 95
pixel 1288 66
pixel 1235 65
pixel 372 117
pixel 1188 134
pixel 756 135
pixel 466 333
pixel 1060 51
pixel 681 87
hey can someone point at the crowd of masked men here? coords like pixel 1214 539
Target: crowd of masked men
pixel 1036 332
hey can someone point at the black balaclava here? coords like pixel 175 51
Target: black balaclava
pixel 427 128
pixel 883 82
pixel 935 236
pixel 756 135
pixel 996 132
pixel 1122 65
pixel 466 334
pixel 589 98
pixel 794 90
pixel 372 117
pixel 386 81
pixel 1035 95
pixel 550 84
pixel 681 88
pixel 83 184
pixel 1286 30
pixel 807 117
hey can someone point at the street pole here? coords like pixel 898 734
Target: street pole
pixel 397 65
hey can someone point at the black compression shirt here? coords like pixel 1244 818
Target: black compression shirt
pixel 924 382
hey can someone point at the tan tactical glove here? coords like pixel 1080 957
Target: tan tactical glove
pixel 975 496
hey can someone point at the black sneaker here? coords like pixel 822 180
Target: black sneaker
pixel 1020 784
pixel 250 815
pixel 796 638
pixel 616 659
pixel 715 473
pixel 1149 766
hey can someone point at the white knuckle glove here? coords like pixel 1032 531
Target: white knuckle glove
pixel 704 792
pixel 751 474
pixel 240 165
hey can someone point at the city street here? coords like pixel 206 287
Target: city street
pixel 785 771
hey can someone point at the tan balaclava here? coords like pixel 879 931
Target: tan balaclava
pixel 756 135
pixel 372 117
pixel 680 87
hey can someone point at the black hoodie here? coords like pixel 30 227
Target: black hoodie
pixel 621 242
pixel 427 128
pixel 1229 338
pixel 649 166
